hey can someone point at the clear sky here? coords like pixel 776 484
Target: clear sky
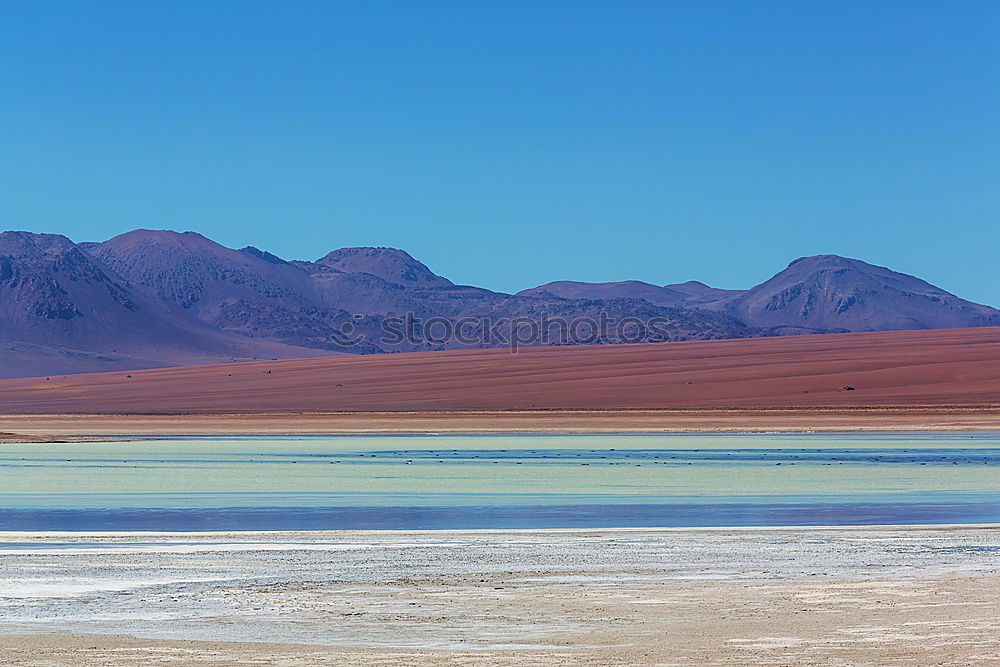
pixel 507 144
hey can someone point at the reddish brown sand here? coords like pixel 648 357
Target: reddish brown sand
pixel 950 367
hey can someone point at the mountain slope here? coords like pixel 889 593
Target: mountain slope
pixel 831 293
pixel 63 310
pixel 699 295
pixel 389 264
pixel 53 292
pixel 197 273
pixel 247 292
pixel 691 294
pixel 627 289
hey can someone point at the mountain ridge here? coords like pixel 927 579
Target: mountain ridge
pixel 830 291
pixel 161 298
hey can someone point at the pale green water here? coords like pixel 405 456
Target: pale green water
pixel 571 471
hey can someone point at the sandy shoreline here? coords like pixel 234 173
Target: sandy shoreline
pixel 426 533
pixel 745 420
pixel 885 595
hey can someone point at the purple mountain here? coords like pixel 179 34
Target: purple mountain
pixel 389 264
pixel 627 289
pixel 699 295
pixel 160 298
pixel 691 294
pixel 62 310
pixel 831 293
pixel 247 292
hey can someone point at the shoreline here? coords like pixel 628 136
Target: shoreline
pixel 874 419
pixel 801 596
pixel 507 532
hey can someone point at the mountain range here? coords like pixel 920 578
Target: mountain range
pixel 151 298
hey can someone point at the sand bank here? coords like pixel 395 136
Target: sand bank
pixel 880 595
pixel 748 420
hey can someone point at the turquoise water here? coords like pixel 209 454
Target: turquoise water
pixel 490 481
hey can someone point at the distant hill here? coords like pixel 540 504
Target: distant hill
pixel 627 289
pixel 389 264
pixel 54 293
pixel 831 293
pixel 819 294
pixel 246 292
pixel 152 298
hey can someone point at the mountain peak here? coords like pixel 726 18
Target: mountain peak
pixel 694 284
pixel 262 254
pixel 625 289
pixel 817 262
pixel 194 272
pixel 31 245
pixel 390 264
pixel 833 293
pixel 699 295
pixel 163 237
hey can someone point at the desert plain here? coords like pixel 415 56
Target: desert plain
pixel 905 380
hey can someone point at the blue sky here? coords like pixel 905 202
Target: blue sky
pixel 507 144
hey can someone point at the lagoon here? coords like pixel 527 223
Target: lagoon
pixel 500 481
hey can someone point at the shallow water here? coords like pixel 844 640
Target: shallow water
pixel 500 481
